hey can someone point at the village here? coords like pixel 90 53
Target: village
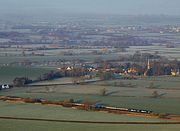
pixel 146 65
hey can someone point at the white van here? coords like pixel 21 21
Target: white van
pixel 5 87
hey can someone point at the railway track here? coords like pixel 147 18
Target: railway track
pixel 88 122
pixel 96 107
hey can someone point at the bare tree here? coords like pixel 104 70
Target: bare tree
pixel 103 92
pixel 155 94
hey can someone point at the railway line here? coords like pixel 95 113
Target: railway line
pixel 99 107
pixel 89 107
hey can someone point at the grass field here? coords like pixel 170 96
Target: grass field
pixel 157 105
pixel 7 74
pixel 48 112
pixel 137 96
pixel 59 113
pixel 11 125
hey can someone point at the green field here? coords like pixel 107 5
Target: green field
pixel 7 74
pixel 60 113
pixel 11 125
pixel 138 96
pixel 163 105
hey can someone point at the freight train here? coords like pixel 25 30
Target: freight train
pixel 100 106
pixel 94 106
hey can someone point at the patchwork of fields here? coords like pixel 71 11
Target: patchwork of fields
pixel 119 93
pixel 54 55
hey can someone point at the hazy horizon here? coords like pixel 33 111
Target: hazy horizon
pixel 119 7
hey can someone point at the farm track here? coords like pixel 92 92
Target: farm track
pixel 89 122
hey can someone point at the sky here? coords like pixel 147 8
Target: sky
pixel 121 7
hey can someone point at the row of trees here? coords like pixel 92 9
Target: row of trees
pixel 49 76
pixel 75 72
pixel 105 75
pixel 21 81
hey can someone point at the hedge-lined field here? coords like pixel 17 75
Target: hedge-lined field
pixel 7 74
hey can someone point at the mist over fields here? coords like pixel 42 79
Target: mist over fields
pixel 121 7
